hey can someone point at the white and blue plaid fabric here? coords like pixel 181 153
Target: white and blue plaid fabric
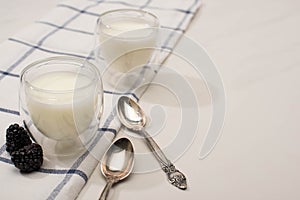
pixel 66 30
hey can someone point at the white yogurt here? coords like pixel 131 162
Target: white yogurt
pixel 62 105
pixel 127 43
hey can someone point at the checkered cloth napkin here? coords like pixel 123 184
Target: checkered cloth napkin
pixel 67 30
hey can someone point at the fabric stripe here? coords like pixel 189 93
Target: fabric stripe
pixel 6 110
pixel 2 149
pixel 145 5
pixel 9 74
pixel 114 131
pixel 53 171
pixel 30 51
pixel 6 160
pixel 90 33
pixel 78 10
pixel 65 28
pixel 65 171
pixel 47 50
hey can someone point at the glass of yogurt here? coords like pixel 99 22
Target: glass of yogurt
pixel 61 102
pixel 126 40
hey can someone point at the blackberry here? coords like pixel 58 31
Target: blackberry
pixel 16 138
pixel 28 158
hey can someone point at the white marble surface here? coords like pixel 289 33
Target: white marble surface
pixel 256 46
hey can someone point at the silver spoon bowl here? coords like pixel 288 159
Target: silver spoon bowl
pixel 117 163
pixel 132 116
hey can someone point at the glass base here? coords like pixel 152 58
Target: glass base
pixel 60 148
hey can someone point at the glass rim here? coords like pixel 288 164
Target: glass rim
pixel 155 18
pixel 64 59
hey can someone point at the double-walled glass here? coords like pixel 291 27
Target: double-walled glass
pixel 61 102
pixel 125 40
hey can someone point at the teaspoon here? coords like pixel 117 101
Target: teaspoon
pixel 117 163
pixel 132 116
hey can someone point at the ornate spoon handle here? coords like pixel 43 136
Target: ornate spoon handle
pixel 175 177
